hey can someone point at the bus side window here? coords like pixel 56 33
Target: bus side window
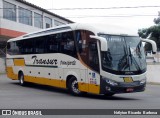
pixel 12 48
pixel 9 48
pixel 53 43
pixel 67 44
pixel 20 46
pixel 40 44
pixel 28 46
pixel 79 41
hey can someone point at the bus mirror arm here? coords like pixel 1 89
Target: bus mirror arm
pixel 154 46
pixel 103 41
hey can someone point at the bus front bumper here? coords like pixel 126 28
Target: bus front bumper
pixel 121 87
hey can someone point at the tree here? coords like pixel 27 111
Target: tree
pixel 152 32
pixel 157 20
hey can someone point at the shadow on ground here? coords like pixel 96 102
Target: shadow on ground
pixel 65 91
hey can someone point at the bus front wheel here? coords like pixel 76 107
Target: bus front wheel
pixel 109 94
pixel 73 86
pixel 21 79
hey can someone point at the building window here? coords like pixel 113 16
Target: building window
pixel 48 22
pixel 38 20
pixel 9 11
pixel 25 16
pixel 57 23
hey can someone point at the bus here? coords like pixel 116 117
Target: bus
pixel 82 58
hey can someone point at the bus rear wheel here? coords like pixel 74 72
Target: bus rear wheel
pixel 21 79
pixel 73 87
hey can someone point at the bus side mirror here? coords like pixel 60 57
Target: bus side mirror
pixel 154 46
pixel 103 41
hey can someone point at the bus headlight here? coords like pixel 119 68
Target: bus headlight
pixel 111 82
pixel 143 81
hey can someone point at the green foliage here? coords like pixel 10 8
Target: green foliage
pixel 148 47
pixel 152 32
pixel 157 20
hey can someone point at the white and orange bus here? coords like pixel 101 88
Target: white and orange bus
pixel 80 57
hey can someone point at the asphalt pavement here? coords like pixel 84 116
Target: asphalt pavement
pixel 32 96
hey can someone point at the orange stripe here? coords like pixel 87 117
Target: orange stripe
pixel 85 87
pixel 19 62
pixel 90 88
pixel 11 74
pixel 10 33
pixel 45 81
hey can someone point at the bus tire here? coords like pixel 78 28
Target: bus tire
pixel 109 94
pixel 73 86
pixel 21 79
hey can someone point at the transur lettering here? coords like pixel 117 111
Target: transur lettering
pixel 44 61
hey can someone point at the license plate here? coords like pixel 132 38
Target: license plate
pixel 128 79
pixel 129 90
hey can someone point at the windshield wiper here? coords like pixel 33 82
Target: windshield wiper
pixel 133 60
pixel 130 55
pixel 124 61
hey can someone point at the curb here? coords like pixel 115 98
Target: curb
pixel 154 83
pixel 151 63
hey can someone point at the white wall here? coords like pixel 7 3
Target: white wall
pixel 16 26
pixel 153 73
pixel 12 25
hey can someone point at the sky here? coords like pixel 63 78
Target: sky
pixel 130 17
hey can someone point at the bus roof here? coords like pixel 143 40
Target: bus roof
pixel 95 28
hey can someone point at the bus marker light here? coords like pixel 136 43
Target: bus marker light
pixel 108 88
pixel 143 81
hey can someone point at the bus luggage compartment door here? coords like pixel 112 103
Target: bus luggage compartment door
pixel 83 86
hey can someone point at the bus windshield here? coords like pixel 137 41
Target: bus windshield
pixel 125 55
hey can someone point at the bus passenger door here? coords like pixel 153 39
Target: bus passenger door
pixel 93 70
pixel 88 55
pixel 82 84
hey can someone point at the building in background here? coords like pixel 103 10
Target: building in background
pixel 18 17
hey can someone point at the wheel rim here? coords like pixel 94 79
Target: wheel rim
pixel 75 87
pixel 21 79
